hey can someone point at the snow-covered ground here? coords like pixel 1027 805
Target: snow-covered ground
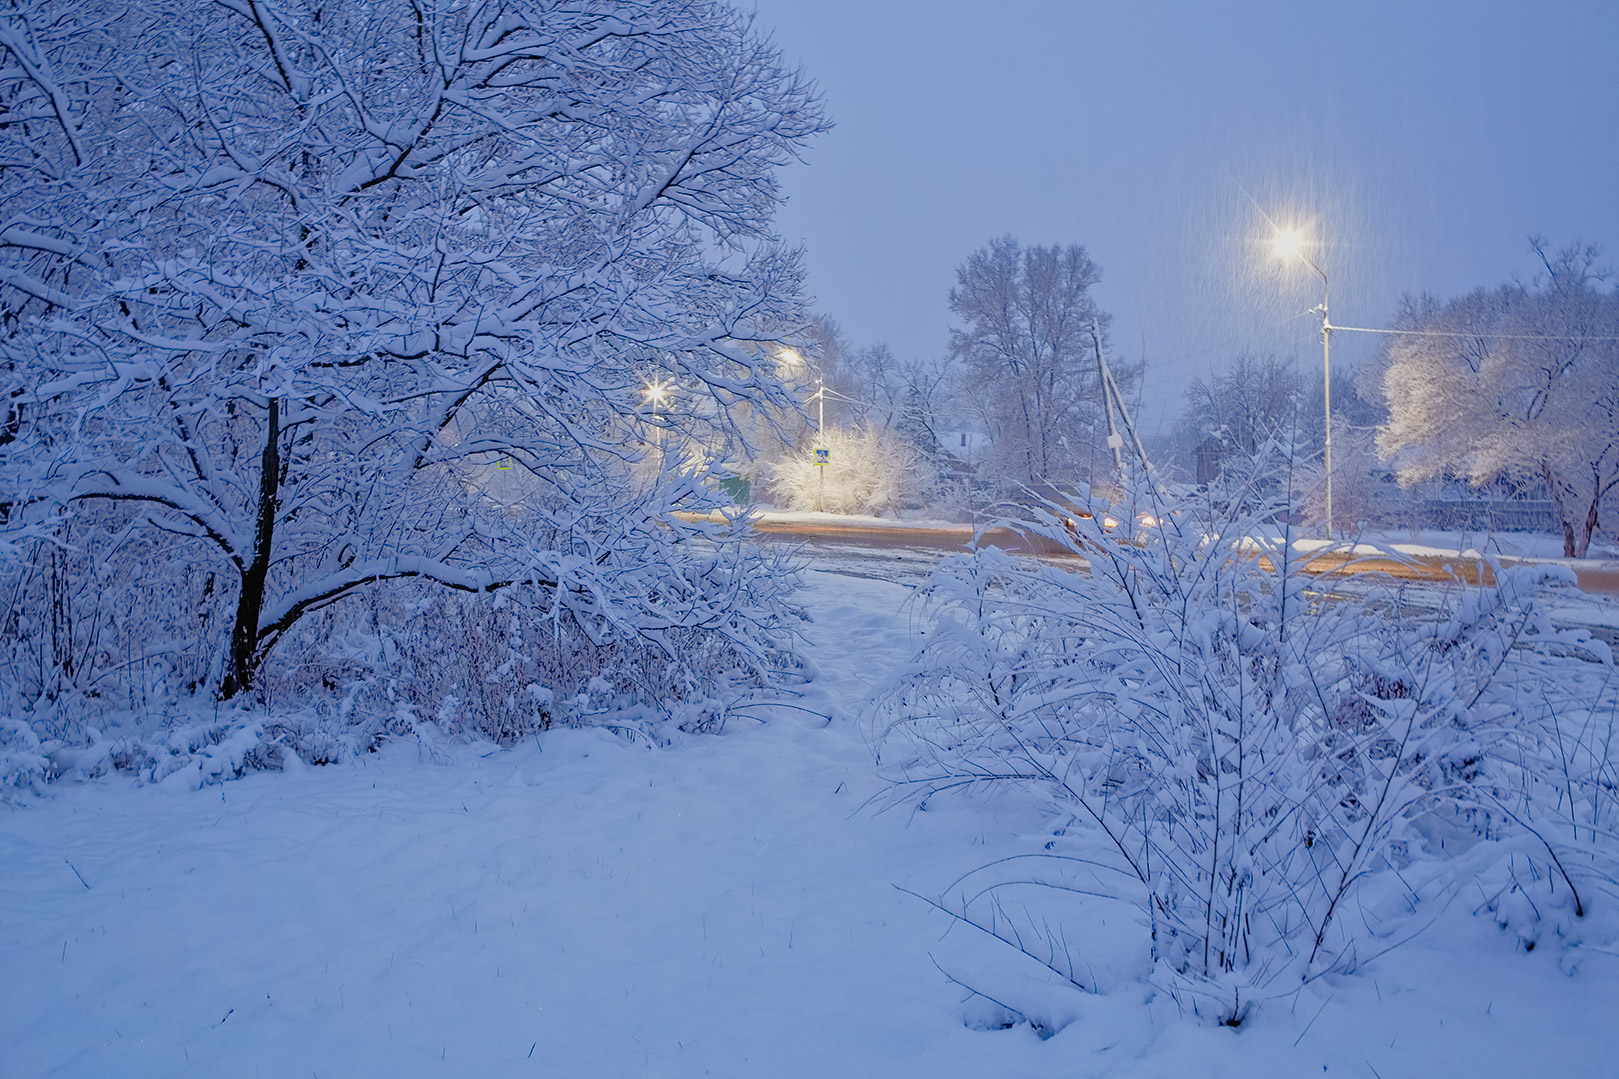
pixel 585 906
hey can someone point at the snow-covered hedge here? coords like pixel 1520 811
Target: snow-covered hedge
pixel 660 630
pixel 1247 753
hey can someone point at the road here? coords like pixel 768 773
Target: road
pixel 1595 577
pixel 908 555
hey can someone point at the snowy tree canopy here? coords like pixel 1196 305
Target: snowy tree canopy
pixel 339 293
pixel 1252 401
pixel 1518 382
pixel 1029 366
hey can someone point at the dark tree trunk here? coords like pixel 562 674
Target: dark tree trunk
pixel 1560 507
pixel 244 639
pixel 1592 523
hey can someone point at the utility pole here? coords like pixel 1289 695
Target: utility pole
pixel 1290 242
pixel 1326 388
pixel 1115 441
pixel 1111 399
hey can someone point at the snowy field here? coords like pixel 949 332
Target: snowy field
pixel 588 907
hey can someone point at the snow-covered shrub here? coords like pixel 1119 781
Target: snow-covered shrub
pixel 697 625
pixel 96 623
pixel 1563 811
pixel 1234 746
pixel 22 760
pixel 871 470
pixel 700 618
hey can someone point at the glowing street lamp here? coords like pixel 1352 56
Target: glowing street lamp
pixel 821 455
pixel 794 360
pixel 657 395
pixel 1290 243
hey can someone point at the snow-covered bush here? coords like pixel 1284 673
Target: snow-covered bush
pixel 1237 748
pixel 1563 811
pixel 659 625
pixel 871 470
pixel 22 759
pixel 695 628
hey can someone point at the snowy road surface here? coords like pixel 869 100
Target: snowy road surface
pixel 588 907
pixel 1415 562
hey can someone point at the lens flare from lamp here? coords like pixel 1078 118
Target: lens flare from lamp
pixel 1288 242
pixel 656 394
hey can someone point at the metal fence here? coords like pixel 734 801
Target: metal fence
pixel 1479 515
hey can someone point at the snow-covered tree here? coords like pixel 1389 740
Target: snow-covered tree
pixel 1028 361
pixel 1251 402
pixel 907 397
pixel 881 412
pixel 870 470
pixel 1517 382
pixel 323 295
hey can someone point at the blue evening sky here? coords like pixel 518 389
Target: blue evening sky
pixel 1421 142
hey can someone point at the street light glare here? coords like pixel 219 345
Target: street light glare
pixel 790 356
pixel 1289 243
pixel 656 394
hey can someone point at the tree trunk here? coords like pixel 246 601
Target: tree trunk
pixel 1554 490
pixel 1592 522
pixel 244 639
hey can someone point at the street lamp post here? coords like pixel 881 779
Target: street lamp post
pixel 820 436
pixel 792 358
pixel 1291 242
pixel 657 395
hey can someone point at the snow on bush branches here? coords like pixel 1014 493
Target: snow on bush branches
pixel 1240 747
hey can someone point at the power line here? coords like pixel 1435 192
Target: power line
pixel 1480 334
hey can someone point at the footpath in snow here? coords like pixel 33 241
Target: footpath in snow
pixel 589 907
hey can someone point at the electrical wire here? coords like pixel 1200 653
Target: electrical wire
pixel 1480 334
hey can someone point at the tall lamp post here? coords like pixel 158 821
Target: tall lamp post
pixel 657 394
pixel 1290 242
pixel 792 359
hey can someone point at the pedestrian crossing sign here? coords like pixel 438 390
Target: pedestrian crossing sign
pixel 823 457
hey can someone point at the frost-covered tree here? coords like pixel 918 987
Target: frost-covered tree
pixel 1230 415
pixel 881 414
pixel 907 397
pixel 870 470
pixel 1028 364
pixel 1251 402
pixel 315 296
pixel 1516 382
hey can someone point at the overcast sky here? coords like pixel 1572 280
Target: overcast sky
pixel 1420 142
